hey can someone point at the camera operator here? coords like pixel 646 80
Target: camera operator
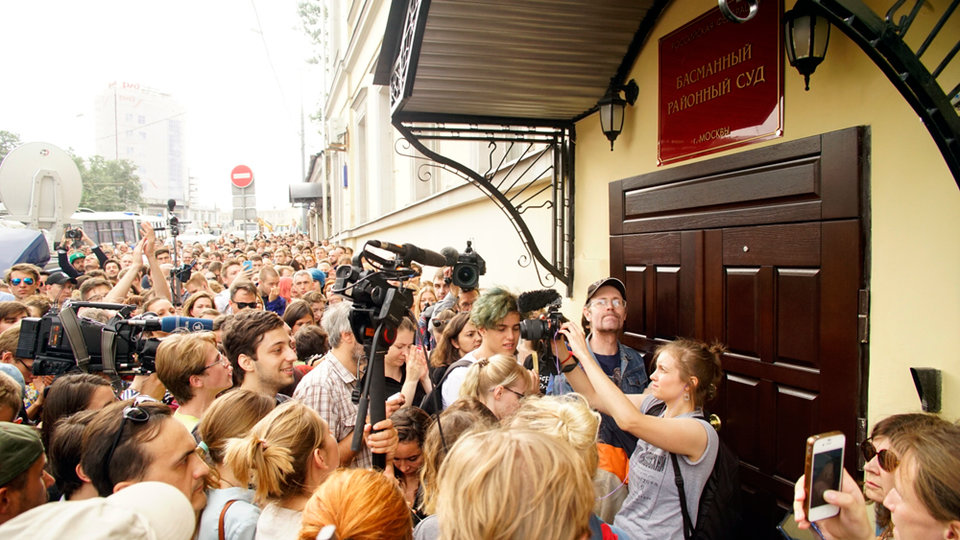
pixel 497 318
pixel 67 264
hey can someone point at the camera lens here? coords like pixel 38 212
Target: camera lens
pixel 465 276
pixel 534 329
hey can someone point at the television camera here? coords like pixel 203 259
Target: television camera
pixel 380 301
pixel 61 342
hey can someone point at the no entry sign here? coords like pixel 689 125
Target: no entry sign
pixel 241 176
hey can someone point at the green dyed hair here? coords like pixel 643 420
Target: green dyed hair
pixel 492 307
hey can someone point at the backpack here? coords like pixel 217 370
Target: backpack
pixel 433 402
pixel 720 508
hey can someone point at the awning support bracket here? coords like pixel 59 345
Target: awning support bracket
pixel 509 181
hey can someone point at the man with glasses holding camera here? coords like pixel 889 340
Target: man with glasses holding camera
pixel 139 441
pixel 194 371
pixel 604 314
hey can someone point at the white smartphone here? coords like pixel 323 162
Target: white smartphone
pixel 823 470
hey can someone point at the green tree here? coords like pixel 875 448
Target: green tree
pixel 8 141
pixel 109 185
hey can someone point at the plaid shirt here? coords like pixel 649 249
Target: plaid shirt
pixel 327 389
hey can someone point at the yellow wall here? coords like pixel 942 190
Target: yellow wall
pixel 915 204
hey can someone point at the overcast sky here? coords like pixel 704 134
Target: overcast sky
pixel 242 91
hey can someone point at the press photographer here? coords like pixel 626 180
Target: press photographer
pixel 549 351
pixel 462 276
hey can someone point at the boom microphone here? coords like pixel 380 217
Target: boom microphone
pixel 412 253
pixel 450 256
pixel 170 324
pixel 536 300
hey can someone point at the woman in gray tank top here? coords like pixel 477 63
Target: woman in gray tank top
pixel 686 377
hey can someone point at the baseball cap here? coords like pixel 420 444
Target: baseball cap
pixel 20 447
pixel 611 281
pixel 145 510
pixel 59 278
pixel 76 255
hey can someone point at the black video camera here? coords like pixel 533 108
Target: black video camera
pixel 468 269
pixel 63 342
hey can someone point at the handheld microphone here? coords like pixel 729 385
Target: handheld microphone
pixel 412 253
pixel 170 324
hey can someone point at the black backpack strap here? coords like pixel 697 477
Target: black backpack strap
pixel 678 479
pixel 688 528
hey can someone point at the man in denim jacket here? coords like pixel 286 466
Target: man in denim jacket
pixel 604 313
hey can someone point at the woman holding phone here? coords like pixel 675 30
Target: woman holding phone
pixel 924 500
pixel 686 377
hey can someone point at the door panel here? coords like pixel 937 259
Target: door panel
pixel 732 250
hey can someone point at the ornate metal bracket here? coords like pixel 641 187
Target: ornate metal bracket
pixel 523 162
pixel 883 41
pixel 733 17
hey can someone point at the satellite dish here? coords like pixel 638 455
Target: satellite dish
pixel 40 186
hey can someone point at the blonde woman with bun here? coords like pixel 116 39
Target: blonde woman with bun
pixel 498 382
pixel 286 456
pixel 514 484
pixel 686 377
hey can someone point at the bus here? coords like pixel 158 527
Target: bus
pixel 116 227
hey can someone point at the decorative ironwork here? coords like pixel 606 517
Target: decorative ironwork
pixel 523 162
pixel 733 17
pixel 405 66
pixel 883 41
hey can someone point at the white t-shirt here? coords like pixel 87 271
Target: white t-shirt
pixel 451 385
pixel 278 523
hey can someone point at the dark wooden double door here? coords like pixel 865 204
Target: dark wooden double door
pixel 763 251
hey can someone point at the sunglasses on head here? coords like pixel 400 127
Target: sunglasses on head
pixel 886 458
pixel 27 280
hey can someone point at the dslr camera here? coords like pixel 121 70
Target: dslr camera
pixel 468 268
pixel 543 328
pixel 74 234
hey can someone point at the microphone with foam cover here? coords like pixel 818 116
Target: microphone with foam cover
pixel 535 300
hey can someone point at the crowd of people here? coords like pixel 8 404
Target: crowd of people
pixel 246 430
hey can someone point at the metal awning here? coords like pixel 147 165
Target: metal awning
pixel 549 60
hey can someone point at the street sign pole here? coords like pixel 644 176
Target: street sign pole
pixel 242 179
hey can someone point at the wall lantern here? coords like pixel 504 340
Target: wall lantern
pixel 806 35
pixel 611 108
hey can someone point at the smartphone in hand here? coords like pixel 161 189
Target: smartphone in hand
pixel 822 471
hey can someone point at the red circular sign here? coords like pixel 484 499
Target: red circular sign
pixel 241 176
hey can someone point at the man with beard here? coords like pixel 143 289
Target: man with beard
pixel 604 314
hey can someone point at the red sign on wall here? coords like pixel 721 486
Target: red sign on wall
pixel 721 83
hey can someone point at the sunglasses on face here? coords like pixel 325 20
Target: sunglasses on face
pixel 27 280
pixel 886 458
pixel 245 305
